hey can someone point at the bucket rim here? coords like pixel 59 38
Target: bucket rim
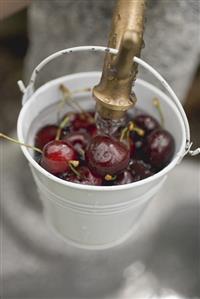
pixel 176 159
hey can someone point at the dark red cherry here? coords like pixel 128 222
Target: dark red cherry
pixel 139 170
pixel 124 178
pixel 44 135
pixel 107 155
pixel 139 142
pixel 57 155
pixel 79 140
pixel 159 148
pixel 92 130
pixel 130 144
pixel 147 123
pixel 82 121
pixel 85 177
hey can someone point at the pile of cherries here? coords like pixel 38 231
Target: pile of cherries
pixel 76 152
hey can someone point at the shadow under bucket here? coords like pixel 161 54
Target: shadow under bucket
pixel 93 217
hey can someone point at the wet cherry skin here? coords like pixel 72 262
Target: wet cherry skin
pixel 139 170
pixel 44 135
pixel 124 178
pixel 146 122
pixel 92 130
pixel 159 148
pixel 130 144
pixel 107 155
pixel 56 156
pixel 124 158
pixel 79 140
pixel 82 121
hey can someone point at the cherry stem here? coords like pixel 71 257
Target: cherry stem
pixel 74 104
pixel 109 177
pixel 124 134
pixel 61 126
pixel 157 105
pixel 87 89
pixel 73 164
pixel 66 98
pixel 130 128
pixel 133 128
pixel 20 143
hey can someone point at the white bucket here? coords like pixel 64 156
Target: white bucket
pixel 93 217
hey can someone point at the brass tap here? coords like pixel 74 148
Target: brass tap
pixel 114 92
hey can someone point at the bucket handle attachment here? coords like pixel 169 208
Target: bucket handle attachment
pixel 29 90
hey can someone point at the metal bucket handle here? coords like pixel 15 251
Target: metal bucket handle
pixel 29 90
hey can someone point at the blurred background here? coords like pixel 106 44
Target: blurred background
pixel 14 43
pixel 36 264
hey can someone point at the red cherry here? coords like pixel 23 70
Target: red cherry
pixel 44 135
pixel 56 156
pixel 139 170
pixel 85 177
pixel 124 178
pixel 78 140
pixel 147 123
pixel 82 121
pixel 159 148
pixel 107 155
pixel 130 144
pixel 104 155
pixel 92 130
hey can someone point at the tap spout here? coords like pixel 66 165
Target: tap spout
pixel 114 92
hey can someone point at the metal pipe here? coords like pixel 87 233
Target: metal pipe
pixel 113 93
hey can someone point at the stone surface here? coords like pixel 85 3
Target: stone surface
pixel 161 257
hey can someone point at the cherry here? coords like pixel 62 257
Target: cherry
pixel 105 160
pixel 131 135
pixel 57 155
pixel 123 134
pixel 82 121
pixel 139 170
pixel 159 148
pixel 139 142
pixel 78 140
pixel 147 123
pixel 92 130
pixel 107 155
pixel 44 135
pixel 124 178
pixel 84 176
pixel 130 144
